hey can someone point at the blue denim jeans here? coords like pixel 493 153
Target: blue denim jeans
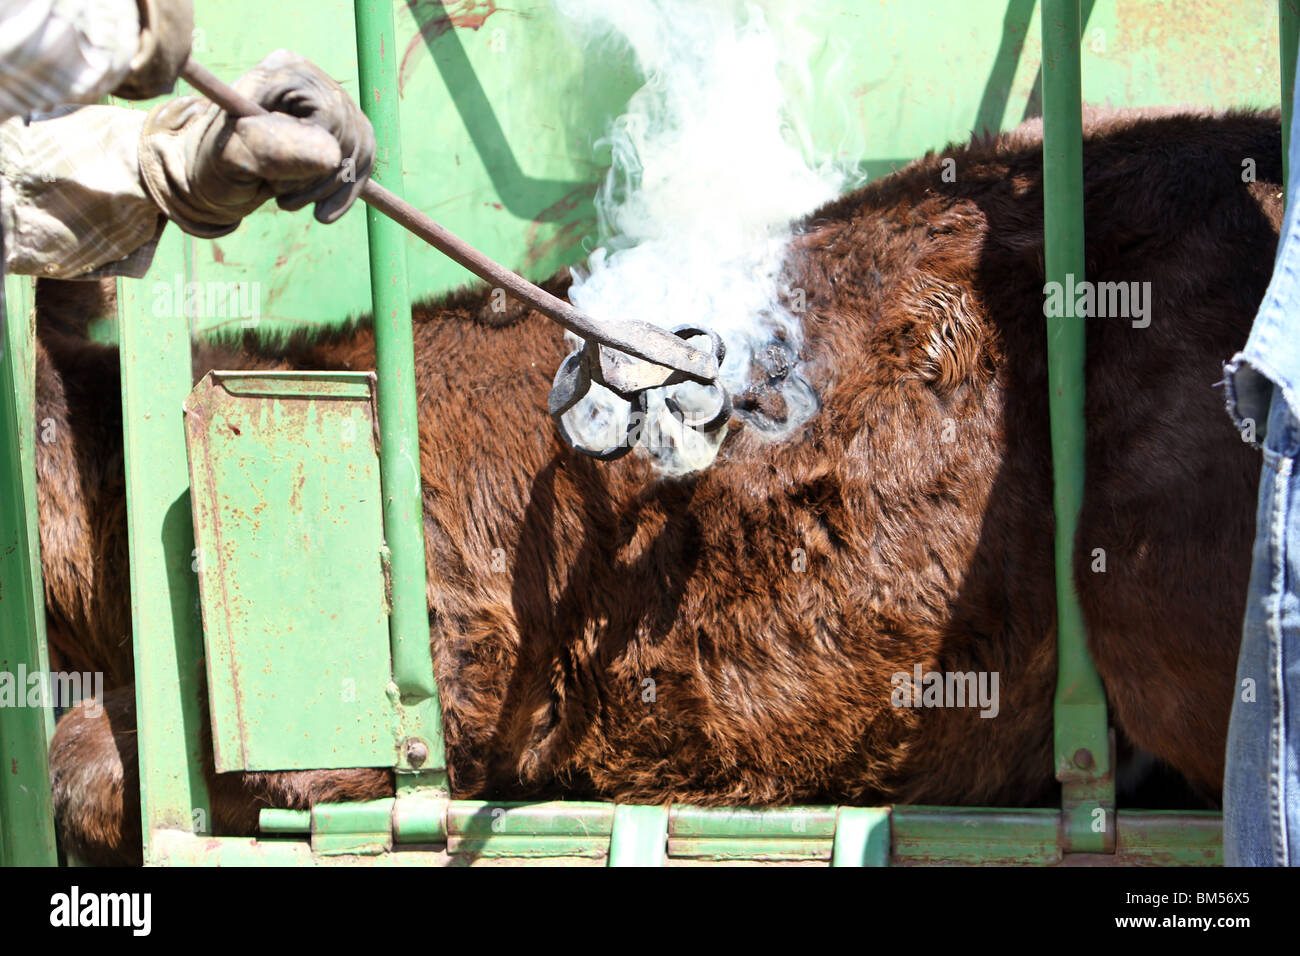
pixel 1261 798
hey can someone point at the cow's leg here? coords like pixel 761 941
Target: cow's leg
pixel 95 775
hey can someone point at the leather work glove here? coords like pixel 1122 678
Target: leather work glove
pixel 166 31
pixel 206 170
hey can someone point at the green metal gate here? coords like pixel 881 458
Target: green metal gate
pixel 508 184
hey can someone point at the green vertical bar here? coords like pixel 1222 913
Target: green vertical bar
pixel 399 450
pixel 861 837
pixel 639 836
pixel 26 811
pixel 165 618
pixel 20 295
pixel 1081 732
pixel 1288 22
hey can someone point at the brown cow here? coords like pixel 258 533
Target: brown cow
pixel 919 498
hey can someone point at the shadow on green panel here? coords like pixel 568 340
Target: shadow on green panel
pixel 1034 105
pixel 537 200
pixel 997 90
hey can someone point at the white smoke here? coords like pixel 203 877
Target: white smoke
pixel 710 168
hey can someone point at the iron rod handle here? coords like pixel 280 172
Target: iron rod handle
pixel 641 339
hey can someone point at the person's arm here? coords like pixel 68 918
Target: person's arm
pixel 77 51
pixel 60 51
pixel 72 202
pixel 207 170
pixel 83 192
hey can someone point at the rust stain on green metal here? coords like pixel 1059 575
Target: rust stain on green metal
pixel 289 532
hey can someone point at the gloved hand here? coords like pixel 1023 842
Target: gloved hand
pixel 166 31
pixel 206 170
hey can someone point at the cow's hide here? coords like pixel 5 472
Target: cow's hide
pixel 735 636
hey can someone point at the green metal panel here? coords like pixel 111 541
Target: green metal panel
pixel 956 835
pixel 18 347
pixel 289 557
pixel 630 835
pixel 165 618
pixel 731 848
pixel 861 835
pixel 500 124
pixel 298 271
pixel 501 109
pixel 961 835
pixel 1166 838
pixel 763 823
pixel 26 813
pixel 898 77
pixel 772 833
pixel 173 848
pixel 535 829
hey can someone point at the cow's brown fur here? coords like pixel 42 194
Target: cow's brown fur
pixel 773 684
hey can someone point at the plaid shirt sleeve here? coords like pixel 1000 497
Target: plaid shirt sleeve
pixel 72 204
pixel 71 201
pixel 63 51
